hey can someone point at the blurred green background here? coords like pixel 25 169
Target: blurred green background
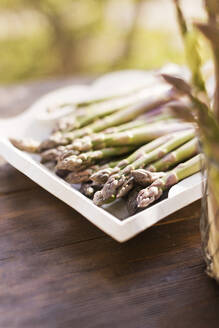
pixel 46 38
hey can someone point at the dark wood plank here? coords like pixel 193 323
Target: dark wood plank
pixel 34 220
pixel 13 180
pixel 145 282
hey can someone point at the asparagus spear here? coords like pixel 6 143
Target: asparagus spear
pixel 85 175
pixel 102 176
pixel 157 98
pixel 183 109
pixel 191 48
pixel 119 180
pixel 189 149
pixel 33 146
pixel 180 154
pixel 142 121
pixel 131 203
pixel 93 112
pixel 99 198
pixel 82 176
pixel 89 188
pixel 126 126
pixel 152 80
pixel 53 154
pixel 145 177
pixel 208 125
pixel 208 121
pixel 26 144
pixel 50 166
pixel 156 189
pixel 96 99
pixel 136 136
pixel 152 172
pixel 90 107
pixel 111 130
pixel 211 31
pixel 85 159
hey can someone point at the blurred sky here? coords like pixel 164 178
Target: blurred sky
pixel 44 38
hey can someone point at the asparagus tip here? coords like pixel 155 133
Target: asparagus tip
pixel 98 198
pixel 125 188
pixel 26 144
pixel 145 177
pixel 148 195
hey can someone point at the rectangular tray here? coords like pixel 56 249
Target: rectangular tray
pixel 112 219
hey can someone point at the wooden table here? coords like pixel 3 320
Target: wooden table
pixel 58 270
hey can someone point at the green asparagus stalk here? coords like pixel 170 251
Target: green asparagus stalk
pixel 88 115
pixel 140 122
pixel 183 109
pixel 208 125
pixel 152 79
pixel 193 57
pixel 188 150
pixel 102 176
pixel 152 172
pixel 211 31
pixel 153 116
pixel 119 180
pixel 33 146
pixel 209 219
pixel 148 175
pixel 72 163
pixel 179 139
pixel 126 126
pixel 156 189
pixel 136 136
pixel 207 117
pixel 93 112
pixel 85 107
pixel 182 153
pixel 156 99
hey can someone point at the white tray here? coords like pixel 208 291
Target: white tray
pixel 113 219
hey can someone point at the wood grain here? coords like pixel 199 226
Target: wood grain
pixel 59 270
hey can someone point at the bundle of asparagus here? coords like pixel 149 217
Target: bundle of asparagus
pixel 205 113
pixel 120 183
pixel 118 147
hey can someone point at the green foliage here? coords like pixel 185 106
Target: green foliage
pixel 77 36
pixel 26 57
pixel 152 49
